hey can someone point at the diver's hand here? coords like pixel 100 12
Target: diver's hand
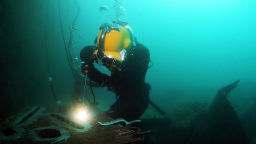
pixel 105 82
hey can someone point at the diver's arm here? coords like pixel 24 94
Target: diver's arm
pixel 142 58
pixel 89 69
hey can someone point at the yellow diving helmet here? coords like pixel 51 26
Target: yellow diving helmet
pixel 114 43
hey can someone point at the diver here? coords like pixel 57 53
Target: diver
pixel 127 60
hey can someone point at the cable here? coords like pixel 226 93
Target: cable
pixel 93 96
pixel 88 94
pixel 50 79
pixel 68 47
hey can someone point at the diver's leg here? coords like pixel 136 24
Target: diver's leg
pixel 128 109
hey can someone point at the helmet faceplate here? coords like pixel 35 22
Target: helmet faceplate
pixel 114 43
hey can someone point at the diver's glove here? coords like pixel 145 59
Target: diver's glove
pixel 86 56
pixel 103 83
pixel 108 82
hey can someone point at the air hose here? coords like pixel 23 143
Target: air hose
pixel 76 72
pixel 88 94
pixel 50 79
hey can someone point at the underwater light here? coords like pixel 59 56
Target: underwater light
pixel 81 114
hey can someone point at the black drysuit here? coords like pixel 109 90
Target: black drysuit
pixel 128 84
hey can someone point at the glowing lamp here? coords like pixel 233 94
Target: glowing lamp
pixel 81 114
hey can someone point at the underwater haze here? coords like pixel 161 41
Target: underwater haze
pixel 196 47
